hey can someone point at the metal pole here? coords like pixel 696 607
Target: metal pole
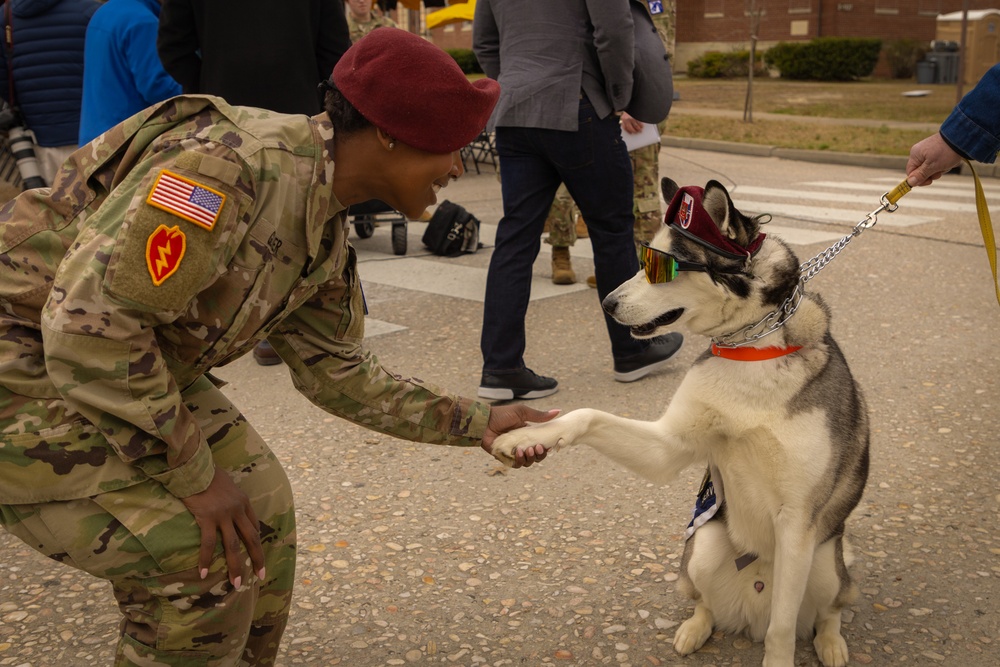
pixel 963 55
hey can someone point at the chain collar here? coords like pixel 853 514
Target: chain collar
pixel 777 318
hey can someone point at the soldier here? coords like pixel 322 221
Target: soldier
pixel 362 19
pixel 173 243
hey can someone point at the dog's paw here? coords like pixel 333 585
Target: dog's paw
pixel 831 649
pixel 773 659
pixel 506 445
pixel 692 635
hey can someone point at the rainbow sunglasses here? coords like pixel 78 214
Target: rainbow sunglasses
pixel 662 267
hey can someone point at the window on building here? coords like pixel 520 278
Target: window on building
pixel 714 9
pixel 887 6
pixel 799 6
pixel 928 7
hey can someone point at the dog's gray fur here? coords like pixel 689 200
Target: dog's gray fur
pixel 786 438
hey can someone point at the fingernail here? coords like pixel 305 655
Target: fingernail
pixel 261 574
pixel 203 572
pixel 237 581
pixel 555 411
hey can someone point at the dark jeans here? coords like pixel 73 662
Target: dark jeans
pixel 594 165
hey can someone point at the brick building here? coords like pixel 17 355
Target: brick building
pixel 724 25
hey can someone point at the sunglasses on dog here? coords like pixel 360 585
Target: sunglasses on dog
pixel 662 267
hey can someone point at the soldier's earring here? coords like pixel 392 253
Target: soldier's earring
pixel 392 144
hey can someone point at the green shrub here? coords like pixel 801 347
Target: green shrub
pixel 825 58
pixel 466 59
pixel 902 55
pixel 716 65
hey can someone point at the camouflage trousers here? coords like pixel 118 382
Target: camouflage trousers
pixel 145 543
pixel 646 207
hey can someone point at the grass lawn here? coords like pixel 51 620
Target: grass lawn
pixel 871 100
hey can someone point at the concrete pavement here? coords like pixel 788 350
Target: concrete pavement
pixel 412 554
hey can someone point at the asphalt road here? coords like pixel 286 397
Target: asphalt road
pixel 413 554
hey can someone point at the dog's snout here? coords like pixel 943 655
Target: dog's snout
pixel 610 304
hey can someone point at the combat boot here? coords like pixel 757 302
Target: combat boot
pixel 581 228
pixel 562 268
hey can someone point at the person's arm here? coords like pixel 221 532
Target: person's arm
pixel 334 38
pixel 973 128
pixel 321 342
pixel 177 44
pixel 486 39
pixel 614 39
pixel 151 79
pixel 971 131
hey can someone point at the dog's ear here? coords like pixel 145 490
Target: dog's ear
pixel 734 225
pixel 669 188
pixel 719 206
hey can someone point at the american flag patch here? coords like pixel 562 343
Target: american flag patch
pixel 186 199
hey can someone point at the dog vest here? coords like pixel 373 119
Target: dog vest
pixel 710 499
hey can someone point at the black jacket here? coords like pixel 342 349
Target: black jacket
pixel 262 53
pixel 47 64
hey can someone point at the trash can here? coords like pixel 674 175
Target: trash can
pixel 946 66
pixel 926 72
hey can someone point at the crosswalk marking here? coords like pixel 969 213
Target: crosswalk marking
pixel 438 277
pixel 848 199
pixel 939 190
pixel 827 214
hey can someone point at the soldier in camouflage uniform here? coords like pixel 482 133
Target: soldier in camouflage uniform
pixel 362 19
pixel 171 244
pixel 645 172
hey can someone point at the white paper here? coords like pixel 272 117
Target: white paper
pixel 644 137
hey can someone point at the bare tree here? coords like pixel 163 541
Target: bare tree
pixel 754 10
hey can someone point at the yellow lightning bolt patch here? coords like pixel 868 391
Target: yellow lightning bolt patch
pixel 164 251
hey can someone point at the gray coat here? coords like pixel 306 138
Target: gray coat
pixel 544 53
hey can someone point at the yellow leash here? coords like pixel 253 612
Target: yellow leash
pixel 985 224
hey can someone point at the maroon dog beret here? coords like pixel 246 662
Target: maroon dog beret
pixel 414 91
pixel 687 215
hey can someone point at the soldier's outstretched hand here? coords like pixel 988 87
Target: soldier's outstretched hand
pixel 505 418
pixel 224 508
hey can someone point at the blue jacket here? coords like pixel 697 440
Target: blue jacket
pixel 47 62
pixel 973 128
pixel 122 74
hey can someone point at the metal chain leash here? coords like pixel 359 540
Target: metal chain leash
pixel 775 319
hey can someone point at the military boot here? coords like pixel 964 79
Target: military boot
pixel 562 268
pixel 581 228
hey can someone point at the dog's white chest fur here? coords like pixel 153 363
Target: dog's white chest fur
pixel 768 461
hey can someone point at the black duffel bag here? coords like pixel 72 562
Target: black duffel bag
pixel 452 231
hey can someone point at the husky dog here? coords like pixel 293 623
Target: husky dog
pixel 779 423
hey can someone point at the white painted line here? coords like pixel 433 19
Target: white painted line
pixel 823 214
pixel 962 191
pixel 375 327
pixel 848 199
pixel 441 277
pixel 795 236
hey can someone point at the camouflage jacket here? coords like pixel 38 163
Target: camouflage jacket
pixel 357 29
pixel 169 245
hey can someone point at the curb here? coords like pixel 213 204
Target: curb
pixel 897 162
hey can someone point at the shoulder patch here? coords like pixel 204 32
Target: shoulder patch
pixel 164 250
pixel 186 199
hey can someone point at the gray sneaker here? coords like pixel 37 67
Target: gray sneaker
pixel 654 357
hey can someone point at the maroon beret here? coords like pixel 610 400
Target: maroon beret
pixel 414 91
pixel 687 215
